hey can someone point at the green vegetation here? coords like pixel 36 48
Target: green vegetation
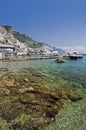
pixel 26 39
pixel 35 45
pixel 8 28
pixel 22 37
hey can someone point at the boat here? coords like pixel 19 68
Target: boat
pixel 75 57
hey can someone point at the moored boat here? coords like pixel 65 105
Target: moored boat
pixel 75 57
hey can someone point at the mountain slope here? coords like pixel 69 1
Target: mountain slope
pixel 22 42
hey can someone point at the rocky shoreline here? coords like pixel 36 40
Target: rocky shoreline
pixel 28 103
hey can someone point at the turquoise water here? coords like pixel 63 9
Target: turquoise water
pixel 71 117
pixel 71 70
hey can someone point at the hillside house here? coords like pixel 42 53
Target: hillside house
pixel 6 50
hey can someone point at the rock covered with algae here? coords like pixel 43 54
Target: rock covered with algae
pixel 27 104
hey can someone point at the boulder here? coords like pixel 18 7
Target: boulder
pixel 60 60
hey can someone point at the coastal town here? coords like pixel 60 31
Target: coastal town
pixel 12 45
pixel 10 53
pixel 15 46
pixel 43 65
pixel 22 84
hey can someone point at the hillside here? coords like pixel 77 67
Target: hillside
pixel 9 34
pixel 22 42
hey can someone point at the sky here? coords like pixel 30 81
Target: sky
pixel 59 23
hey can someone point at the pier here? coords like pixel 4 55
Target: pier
pixel 26 58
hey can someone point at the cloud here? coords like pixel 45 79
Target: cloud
pixel 75 48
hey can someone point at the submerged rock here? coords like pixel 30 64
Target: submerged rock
pixel 27 105
pixel 74 96
pixel 3 69
pixel 12 111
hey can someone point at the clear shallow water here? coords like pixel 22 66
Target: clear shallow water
pixel 71 117
pixel 71 70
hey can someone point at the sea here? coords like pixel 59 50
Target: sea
pixel 71 70
pixel 73 116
